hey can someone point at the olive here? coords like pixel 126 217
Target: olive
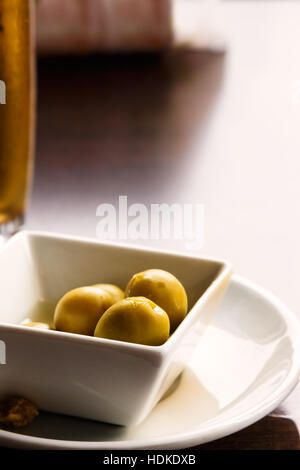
pixel 37 324
pixel 115 291
pixel 79 310
pixel 164 289
pixel 135 320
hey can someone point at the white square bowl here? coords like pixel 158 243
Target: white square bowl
pixel 83 376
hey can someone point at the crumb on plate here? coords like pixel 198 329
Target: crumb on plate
pixel 16 412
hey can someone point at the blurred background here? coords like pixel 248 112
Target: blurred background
pixel 211 119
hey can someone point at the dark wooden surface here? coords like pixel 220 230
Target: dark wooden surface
pixel 218 129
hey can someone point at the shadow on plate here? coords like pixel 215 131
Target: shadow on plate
pixel 185 404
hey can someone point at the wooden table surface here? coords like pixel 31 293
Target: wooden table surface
pixel 188 126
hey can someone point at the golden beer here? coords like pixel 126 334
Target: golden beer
pixel 17 114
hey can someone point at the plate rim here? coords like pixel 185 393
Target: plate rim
pixel 198 436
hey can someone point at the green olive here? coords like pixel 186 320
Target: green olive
pixel 79 310
pixel 164 289
pixel 135 320
pixel 37 324
pixel 115 291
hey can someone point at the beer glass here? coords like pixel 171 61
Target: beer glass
pixel 17 87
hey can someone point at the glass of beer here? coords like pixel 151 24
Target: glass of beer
pixel 17 111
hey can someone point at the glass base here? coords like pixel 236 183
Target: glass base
pixel 10 228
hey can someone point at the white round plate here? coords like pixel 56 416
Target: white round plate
pixel 246 363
